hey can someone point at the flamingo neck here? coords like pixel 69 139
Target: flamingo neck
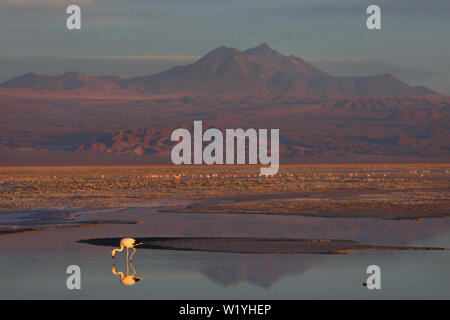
pixel 120 273
pixel 118 250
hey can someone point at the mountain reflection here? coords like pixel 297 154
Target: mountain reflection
pixel 264 270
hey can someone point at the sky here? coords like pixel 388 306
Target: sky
pixel 140 37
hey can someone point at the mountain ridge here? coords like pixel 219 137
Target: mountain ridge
pixel 257 71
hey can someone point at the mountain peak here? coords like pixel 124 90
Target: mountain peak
pixel 263 50
pixel 223 51
pixel 219 54
pixel 263 46
pixel 30 74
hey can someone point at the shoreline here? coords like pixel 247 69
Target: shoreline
pixel 257 245
pixel 390 192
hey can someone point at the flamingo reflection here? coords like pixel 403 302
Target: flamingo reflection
pixel 128 279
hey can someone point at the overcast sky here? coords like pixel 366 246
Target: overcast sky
pixel 137 37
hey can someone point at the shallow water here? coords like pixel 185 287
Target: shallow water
pixel 34 264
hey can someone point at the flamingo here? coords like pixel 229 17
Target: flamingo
pixel 129 279
pixel 128 243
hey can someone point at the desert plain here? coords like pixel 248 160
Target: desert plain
pixel 388 191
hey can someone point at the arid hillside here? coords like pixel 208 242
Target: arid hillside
pixel 310 127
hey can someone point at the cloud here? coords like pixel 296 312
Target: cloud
pixel 175 58
pixel 321 8
pixel 32 4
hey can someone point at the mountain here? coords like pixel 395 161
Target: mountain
pixel 228 71
pixel 68 81
pixel 42 127
pixel 260 71
pixel 322 118
pixel 132 142
pixel 310 128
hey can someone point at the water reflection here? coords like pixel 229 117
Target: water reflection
pixel 222 275
pixel 36 257
pixel 260 270
pixel 128 279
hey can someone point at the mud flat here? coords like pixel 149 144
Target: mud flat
pixel 39 220
pixel 256 245
pixel 397 191
pixel 395 205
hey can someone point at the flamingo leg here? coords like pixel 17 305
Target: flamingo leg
pixel 132 268
pixel 128 268
pixel 134 251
